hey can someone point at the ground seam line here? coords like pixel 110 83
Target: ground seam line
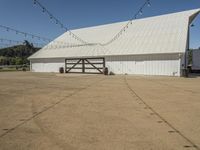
pixel 158 115
pixel 46 109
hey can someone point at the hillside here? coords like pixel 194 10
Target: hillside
pixel 17 55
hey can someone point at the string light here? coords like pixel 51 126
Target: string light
pixel 43 10
pixel 51 46
pixel 36 2
pixel 52 17
pixel 140 12
pixel 148 4
pixel 25 34
pixel 135 17
pixel 9 41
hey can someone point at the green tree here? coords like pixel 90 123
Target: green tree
pixel 18 61
pixel 17 55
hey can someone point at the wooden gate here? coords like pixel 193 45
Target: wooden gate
pixel 85 65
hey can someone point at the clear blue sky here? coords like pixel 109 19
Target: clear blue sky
pixel 23 15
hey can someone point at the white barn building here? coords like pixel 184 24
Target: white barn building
pixel 149 46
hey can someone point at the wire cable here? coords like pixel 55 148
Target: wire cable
pixel 58 22
pixel 120 33
pixel 12 42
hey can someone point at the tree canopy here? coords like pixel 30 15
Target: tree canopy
pixel 17 55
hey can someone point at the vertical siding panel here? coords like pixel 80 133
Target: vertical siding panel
pixel 146 64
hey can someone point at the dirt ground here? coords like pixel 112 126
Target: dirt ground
pixel 96 112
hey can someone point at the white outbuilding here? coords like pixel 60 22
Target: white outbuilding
pixel 150 46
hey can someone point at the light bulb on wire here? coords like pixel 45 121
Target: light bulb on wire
pixel 149 4
pixel 141 13
pixel 43 10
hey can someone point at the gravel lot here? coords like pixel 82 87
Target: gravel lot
pixel 40 111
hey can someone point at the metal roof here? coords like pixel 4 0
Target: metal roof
pixel 153 35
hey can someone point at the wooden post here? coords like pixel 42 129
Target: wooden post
pixel 83 65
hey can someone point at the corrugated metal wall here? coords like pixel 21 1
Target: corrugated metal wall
pixel 168 64
pixel 47 65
